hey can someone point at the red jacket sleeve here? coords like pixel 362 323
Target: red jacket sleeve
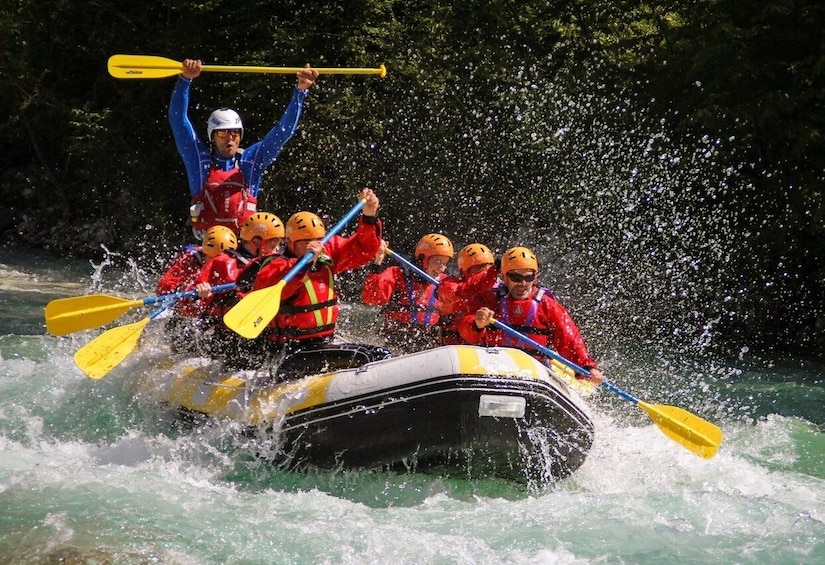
pixel 379 287
pixel 566 338
pixel 468 331
pixel 180 275
pixel 221 269
pixel 349 253
pixel 273 272
pixel 455 294
pixel 466 326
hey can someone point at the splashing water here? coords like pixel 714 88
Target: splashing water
pixel 94 470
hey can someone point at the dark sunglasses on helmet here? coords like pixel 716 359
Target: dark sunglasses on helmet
pixel 521 278
pixel 224 133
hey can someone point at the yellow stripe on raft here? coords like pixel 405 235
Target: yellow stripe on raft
pixel 514 362
pixel 223 393
pixel 184 387
pixel 505 362
pixel 288 398
pixel 191 391
pixel 582 386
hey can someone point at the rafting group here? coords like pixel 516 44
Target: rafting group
pixel 471 363
pixel 422 305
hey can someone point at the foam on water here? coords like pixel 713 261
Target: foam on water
pixel 90 471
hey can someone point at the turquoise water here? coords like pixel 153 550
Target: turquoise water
pixel 93 472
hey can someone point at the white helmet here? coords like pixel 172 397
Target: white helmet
pixel 223 118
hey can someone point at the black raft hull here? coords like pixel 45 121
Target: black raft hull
pixel 457 411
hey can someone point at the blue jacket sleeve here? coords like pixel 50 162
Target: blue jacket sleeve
pixel 257 157
pixel 193 151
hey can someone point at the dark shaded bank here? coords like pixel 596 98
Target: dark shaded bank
pixel 665 161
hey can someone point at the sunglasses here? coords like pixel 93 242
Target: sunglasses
pixel 224 133
pixel 521 278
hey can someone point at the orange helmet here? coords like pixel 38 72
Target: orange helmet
pixel 262 224
pixel 218 239
pixel 474 254
pixel 433 244
pixel 518 258
pixel 305 225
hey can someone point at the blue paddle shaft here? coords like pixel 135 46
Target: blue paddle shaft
pixel 305 260
pixel 545 350
pixel 159 310
pixel 170 298
pixel 412 266
pixel 550 353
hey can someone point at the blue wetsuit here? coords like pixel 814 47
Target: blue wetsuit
pixel 199 158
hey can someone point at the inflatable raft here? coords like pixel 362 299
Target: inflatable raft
pixel 458 411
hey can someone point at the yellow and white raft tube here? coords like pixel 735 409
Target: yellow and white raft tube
pixel 460 411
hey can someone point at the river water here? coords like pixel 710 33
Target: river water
pixel 91 473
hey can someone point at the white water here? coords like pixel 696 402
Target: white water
pixel 90 472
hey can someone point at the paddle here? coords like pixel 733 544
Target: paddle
pixel 150 66
pixel 253 313
pixel 690 431
pixel 107 350
pixel 68 315
pixel 414 267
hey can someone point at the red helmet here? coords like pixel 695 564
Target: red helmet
pixel 433 244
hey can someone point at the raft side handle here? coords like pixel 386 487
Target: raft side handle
pixel 501 406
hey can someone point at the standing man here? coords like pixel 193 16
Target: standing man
pixel 224 179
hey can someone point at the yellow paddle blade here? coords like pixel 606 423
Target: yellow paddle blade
pixel 150 66
pixel 68 315
pixel 107 350
pixel 143 66
pixel 253 313
pixel 689 430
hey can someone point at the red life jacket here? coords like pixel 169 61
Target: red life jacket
pixel 222 269
pixel 224 200
pixel 183 270
pixel 311 312
pixel 417 304
pixel 513 309
pixel 456 297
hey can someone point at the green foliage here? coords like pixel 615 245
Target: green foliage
pixel 487 120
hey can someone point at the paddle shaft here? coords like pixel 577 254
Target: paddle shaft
pixel 550 353
pixel 171 298
pixel 158 311
pixel 543 349
pixel 292 70
pixel 688 430
pixel 407 263
pixel 150 66
pixel 309 255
